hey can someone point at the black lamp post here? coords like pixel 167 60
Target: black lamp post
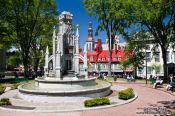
pixel 146 69
pixel 146 65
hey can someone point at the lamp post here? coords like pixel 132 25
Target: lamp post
pixel 146 65
pixel 146 68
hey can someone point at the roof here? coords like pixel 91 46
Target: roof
pixel 117 55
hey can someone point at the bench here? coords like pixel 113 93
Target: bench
pixel 157 83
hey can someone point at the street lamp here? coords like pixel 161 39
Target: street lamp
pixel 146 65
pixel 146 68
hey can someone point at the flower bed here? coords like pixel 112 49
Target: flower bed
pixel 97 102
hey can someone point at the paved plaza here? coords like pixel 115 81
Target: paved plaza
pixel 150 102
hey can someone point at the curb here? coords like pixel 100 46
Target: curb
pixel 74 110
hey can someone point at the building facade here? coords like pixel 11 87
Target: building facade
pixel 154 62
pixel 97 54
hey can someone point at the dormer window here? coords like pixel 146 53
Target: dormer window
pixel 99 59
pixel 115 59
pixel 103 59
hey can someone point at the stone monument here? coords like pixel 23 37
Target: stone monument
pixel 63 80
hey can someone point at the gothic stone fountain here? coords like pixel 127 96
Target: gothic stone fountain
pixel 63 80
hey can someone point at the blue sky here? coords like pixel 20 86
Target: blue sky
pixel 80 17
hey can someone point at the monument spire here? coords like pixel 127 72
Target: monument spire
pixel 46 60
pixel 58 60
pixel 53 39
pixel 85 66
pixel 77 51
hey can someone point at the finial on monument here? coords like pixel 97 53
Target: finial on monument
pixel 47 50
pixel 77 30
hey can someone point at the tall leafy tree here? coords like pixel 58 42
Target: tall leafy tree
pixel 26 18
pixel 109 18
pixel 155 17
pixel 135 51
pixel 5 33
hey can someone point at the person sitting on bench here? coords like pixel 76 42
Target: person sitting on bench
pixel 158 82
pixel 172 83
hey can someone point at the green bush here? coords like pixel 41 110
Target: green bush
pixel 15 86
pixel 5 101
pixel 97 101
pixel 2 89
pixel 126 94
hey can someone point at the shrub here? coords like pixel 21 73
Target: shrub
pixel 2 89
pixel 15 86
pixel 126 94
pixel 97 101
pixel 5 101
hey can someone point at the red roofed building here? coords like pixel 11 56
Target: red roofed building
pixel 98 55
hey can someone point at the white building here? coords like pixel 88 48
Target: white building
pixel 154 57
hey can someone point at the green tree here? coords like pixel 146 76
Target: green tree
pixel 14 61
pixel 156 67
pixel 155 17
pixel 41 40
pixel 27 18
pixel 135 50
pixel 5 30
pixel 109 18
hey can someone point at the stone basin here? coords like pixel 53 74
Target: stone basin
pixel 74 90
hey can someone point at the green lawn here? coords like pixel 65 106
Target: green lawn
pixel 122 80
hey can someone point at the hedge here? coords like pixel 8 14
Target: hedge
pixel 126 94
pixel 2 89
pixel 15 86
pixel 5 101
pixel 97 102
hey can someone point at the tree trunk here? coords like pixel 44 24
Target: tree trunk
pixel 164 56
pixel 109 66
pixel 135 71
pixel 26 67
pixel 36 64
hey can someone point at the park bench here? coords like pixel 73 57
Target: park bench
pixel 158 82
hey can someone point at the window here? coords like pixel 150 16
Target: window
pixel 119 66
pixel 148 56
pixel 99 59
pixel 103 59
pixel 149 70
pixel 105 66
pixel 119 59
pixel 91 58
pixel 115 59
pixel 158 71
pixel 140 71
pixel 168 56
pixel 115 66
pixel 157 56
